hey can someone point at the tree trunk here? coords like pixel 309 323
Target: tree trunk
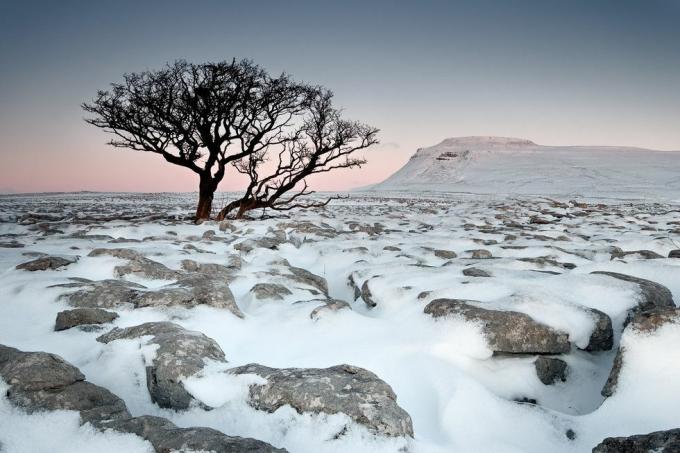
pixel 206 192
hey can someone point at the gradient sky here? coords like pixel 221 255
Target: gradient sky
pixel 556 72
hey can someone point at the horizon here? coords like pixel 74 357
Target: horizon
pixel 559 74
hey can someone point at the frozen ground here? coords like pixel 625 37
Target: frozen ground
pixel 460 396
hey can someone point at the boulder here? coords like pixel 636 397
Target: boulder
pixel 602 338
pixel 40 381
pixel 475 272
pixel 45 382
pixel 190 290
pixel 331 305
pixel 480 254
pixel 652 294
pixel 137 265
pixel 367 295
pixel 645 322
pixel 505 331
pixel 353 391
pixel 82 316
pixel 656 442
pixel 550 370
pixel 638 254
pixel 181 353
pixel 445 254
pixel 165 436
pixel 269 291
pixel 46 262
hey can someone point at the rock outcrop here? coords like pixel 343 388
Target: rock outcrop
pixel 346 389
pixel 505 331
pixel 181 353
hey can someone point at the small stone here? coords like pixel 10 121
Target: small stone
pixel 549 370
pixel 445 254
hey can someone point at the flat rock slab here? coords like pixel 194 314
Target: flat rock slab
pixel 83 316
pixel 46 263
pixel 656 442
pixel 346 389
pixel 190 290
pixel 181 354
pixel 505 331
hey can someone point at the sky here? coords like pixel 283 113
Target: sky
pixel 589 72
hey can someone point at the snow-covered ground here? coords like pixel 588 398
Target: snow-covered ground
pixel 461 397
pixel 493 165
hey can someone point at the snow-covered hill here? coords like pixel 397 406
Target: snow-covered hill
pixel 518 166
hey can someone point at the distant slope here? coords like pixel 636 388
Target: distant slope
pixel 516 166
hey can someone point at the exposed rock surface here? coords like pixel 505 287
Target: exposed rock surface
pixel 46 262
pixel 656 442
pixel 602 338
pixel 165 436
pixel 45 382
pixel 181 353
pixel 505 331
pixel 82 316
pixel 445 254
pixel 645 322
pixel 189 291
pixel 330 305
pixel 674 253
pixel 40 381
pixel 475 272
pixel 354 391
pixel 269 291
pixel 367 295
pixel 550 370
pixel 652 294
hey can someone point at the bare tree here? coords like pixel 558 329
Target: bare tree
pixel 212 116
pixel 322 143
pixel 202 117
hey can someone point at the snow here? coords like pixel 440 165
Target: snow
pixel 461 397
pixel 500 165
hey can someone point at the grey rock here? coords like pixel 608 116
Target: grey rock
pixel 550 370
pixel 269 291
pixel 640 254
pixel 653 294
pixel 181 354
pixel 480 254
pixel 165 436
pixel 602 338
pixel 331 305
pixel 137 265
pixel 475 272
pixel 543 261
pixel 674 253
pixel 505 331
pixel 392 248
pixel 305 277
pixel 656 442
pixel 82 316
pixel 367 295
pixel 445 254
pixel 190 290
pixel 46 262
pixel 346 389
pixel 645 322
pixel 266 242
pixel 45 382
pixel 40 381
